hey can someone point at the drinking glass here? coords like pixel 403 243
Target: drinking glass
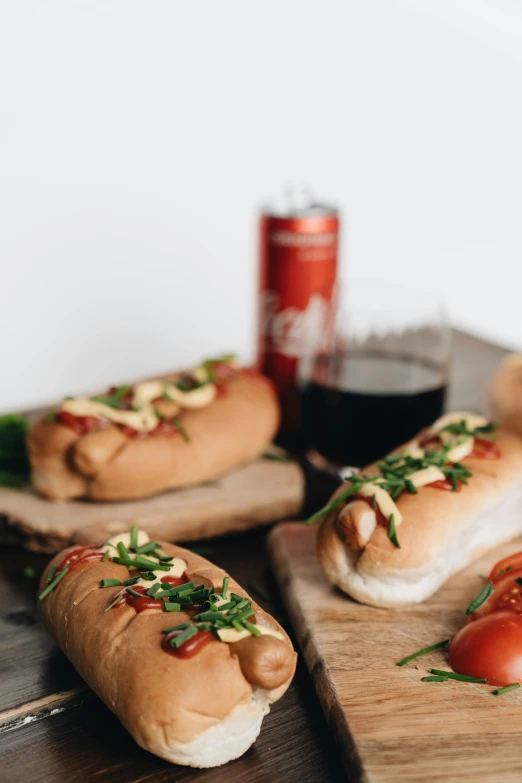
pixel 377 375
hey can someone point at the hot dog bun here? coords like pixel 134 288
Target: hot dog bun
pixel 440 532
pixel 505 393
pixel 107 464
pixel 201 711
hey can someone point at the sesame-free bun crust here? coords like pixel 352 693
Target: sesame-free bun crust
pixel 441 532
pixel 107 465
pixel 201 711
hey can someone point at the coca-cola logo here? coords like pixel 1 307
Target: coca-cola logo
pixel 292 331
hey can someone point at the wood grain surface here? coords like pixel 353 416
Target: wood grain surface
pixel 255 494
pixel 389 726
pixel 52 730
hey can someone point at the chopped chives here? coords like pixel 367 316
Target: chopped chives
pixel 252 628
pixel 224 587
pixel 184 636
pixel 144 549
pixel 454 676
pixel 149 576
pixel 120 546
pixel 424 651
pixel 435 678
pixel 392 533
pixel 110 583
pixel 179 627
pixel 210 615
pixel 131 581
pixel 151 592
pixel 410 486
pixel 58 578
pixel 162 594
pixel 486 592
pixel 505 689
pixel 141 563
pixel 116 600
pixel 51 574
pixel 106 556
pixel 168 606
pixel 134 538
pixel 134 593
pixel 237 625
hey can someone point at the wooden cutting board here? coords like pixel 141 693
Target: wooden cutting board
pixel 258 493
pixel 389 726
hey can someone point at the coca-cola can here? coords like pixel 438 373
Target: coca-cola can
pixel 299 244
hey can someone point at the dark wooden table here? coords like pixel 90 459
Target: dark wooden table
pixel 53 729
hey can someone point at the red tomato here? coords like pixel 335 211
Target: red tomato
pixel 490 647
pixel 506 564
pixel 485 449
pixel 507 595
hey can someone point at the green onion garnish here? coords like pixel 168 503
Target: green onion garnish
pixel 131 581
pixel 486 592
pixel 224 587
pixel 134 538
pixel 144 549
pixel 424 651
pixel 392 533
pixel 253 630
pixel 120 546
pixel 58 578
pixel 116 600
pixel 505 689
pixel 141 563
pixel 180 627
pixel 435 678
pixel 134 593
pixel 106 556
pixel 51 574
pixel 410 486
pixel 110 583
pixel 184 636
pixel 454 676
pixel 181 429
pixel 151 592
pixel 168 606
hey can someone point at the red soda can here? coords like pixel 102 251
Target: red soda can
pixel 298 268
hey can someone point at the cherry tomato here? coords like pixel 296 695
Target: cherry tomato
pixel 507 595
pixel 491 647
pixel 485 449
pixel 506 564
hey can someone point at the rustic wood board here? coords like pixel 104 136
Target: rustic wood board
pixel 389 726
pixel 255 494
pixel 53 728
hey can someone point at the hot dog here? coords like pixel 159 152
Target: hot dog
pixel 396 531
pixel 153 436
pixel 190 665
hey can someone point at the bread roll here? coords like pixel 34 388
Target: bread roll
pixel 222 426
pixel 199 711
pixel 437 532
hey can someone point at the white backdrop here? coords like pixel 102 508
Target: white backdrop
pixel 138 138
